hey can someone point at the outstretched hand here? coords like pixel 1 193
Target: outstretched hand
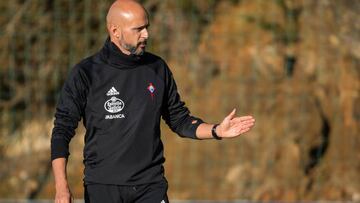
pixel 233 126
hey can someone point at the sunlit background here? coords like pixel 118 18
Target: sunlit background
pixel 292 64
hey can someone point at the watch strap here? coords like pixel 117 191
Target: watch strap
pixel 213 132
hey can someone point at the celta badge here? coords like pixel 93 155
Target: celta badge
pixel 151 89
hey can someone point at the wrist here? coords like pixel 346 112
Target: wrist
pixel 215 132
pixel 61 185
pixel 218 131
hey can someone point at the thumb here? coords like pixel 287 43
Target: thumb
pixel 231 115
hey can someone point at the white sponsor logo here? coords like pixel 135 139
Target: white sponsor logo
pixel 114 105
pixel 116 116
pixel 112 92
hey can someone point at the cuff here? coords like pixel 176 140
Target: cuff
pixel 59 149
pixel 189 127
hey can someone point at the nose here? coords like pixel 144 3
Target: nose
pixel 145 33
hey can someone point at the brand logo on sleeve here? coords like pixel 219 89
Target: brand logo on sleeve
pixel 114 105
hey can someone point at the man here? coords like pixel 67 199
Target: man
pixel 121 93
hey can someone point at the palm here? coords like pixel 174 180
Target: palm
pixel 233 126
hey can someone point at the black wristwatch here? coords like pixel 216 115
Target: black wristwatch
pixel 213 132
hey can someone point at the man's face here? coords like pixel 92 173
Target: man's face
pixel 134 34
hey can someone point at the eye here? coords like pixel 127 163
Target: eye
pixel 139 29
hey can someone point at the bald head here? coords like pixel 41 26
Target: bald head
pixel 124 11
pixel 127 23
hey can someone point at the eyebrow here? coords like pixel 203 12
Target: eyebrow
pixel 141 27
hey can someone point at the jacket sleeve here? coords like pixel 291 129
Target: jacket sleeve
pixel 69 110
pixel 175 113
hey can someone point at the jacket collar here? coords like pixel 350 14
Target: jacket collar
pixel 114 56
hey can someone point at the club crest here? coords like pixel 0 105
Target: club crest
pixel 151 89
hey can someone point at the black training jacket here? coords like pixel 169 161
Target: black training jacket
pixel 121 100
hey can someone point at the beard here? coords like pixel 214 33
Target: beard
pixel 134 50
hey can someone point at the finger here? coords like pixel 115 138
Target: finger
pixel 243 125
pixel 244 130
pixel 248 121
pixel 231 115
pixel 247 126
pixel 245 118
pixel 240 130
pixel 242 118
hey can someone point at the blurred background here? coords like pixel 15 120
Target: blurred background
pixel 292 64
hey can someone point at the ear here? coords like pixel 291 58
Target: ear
pixel 115 31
